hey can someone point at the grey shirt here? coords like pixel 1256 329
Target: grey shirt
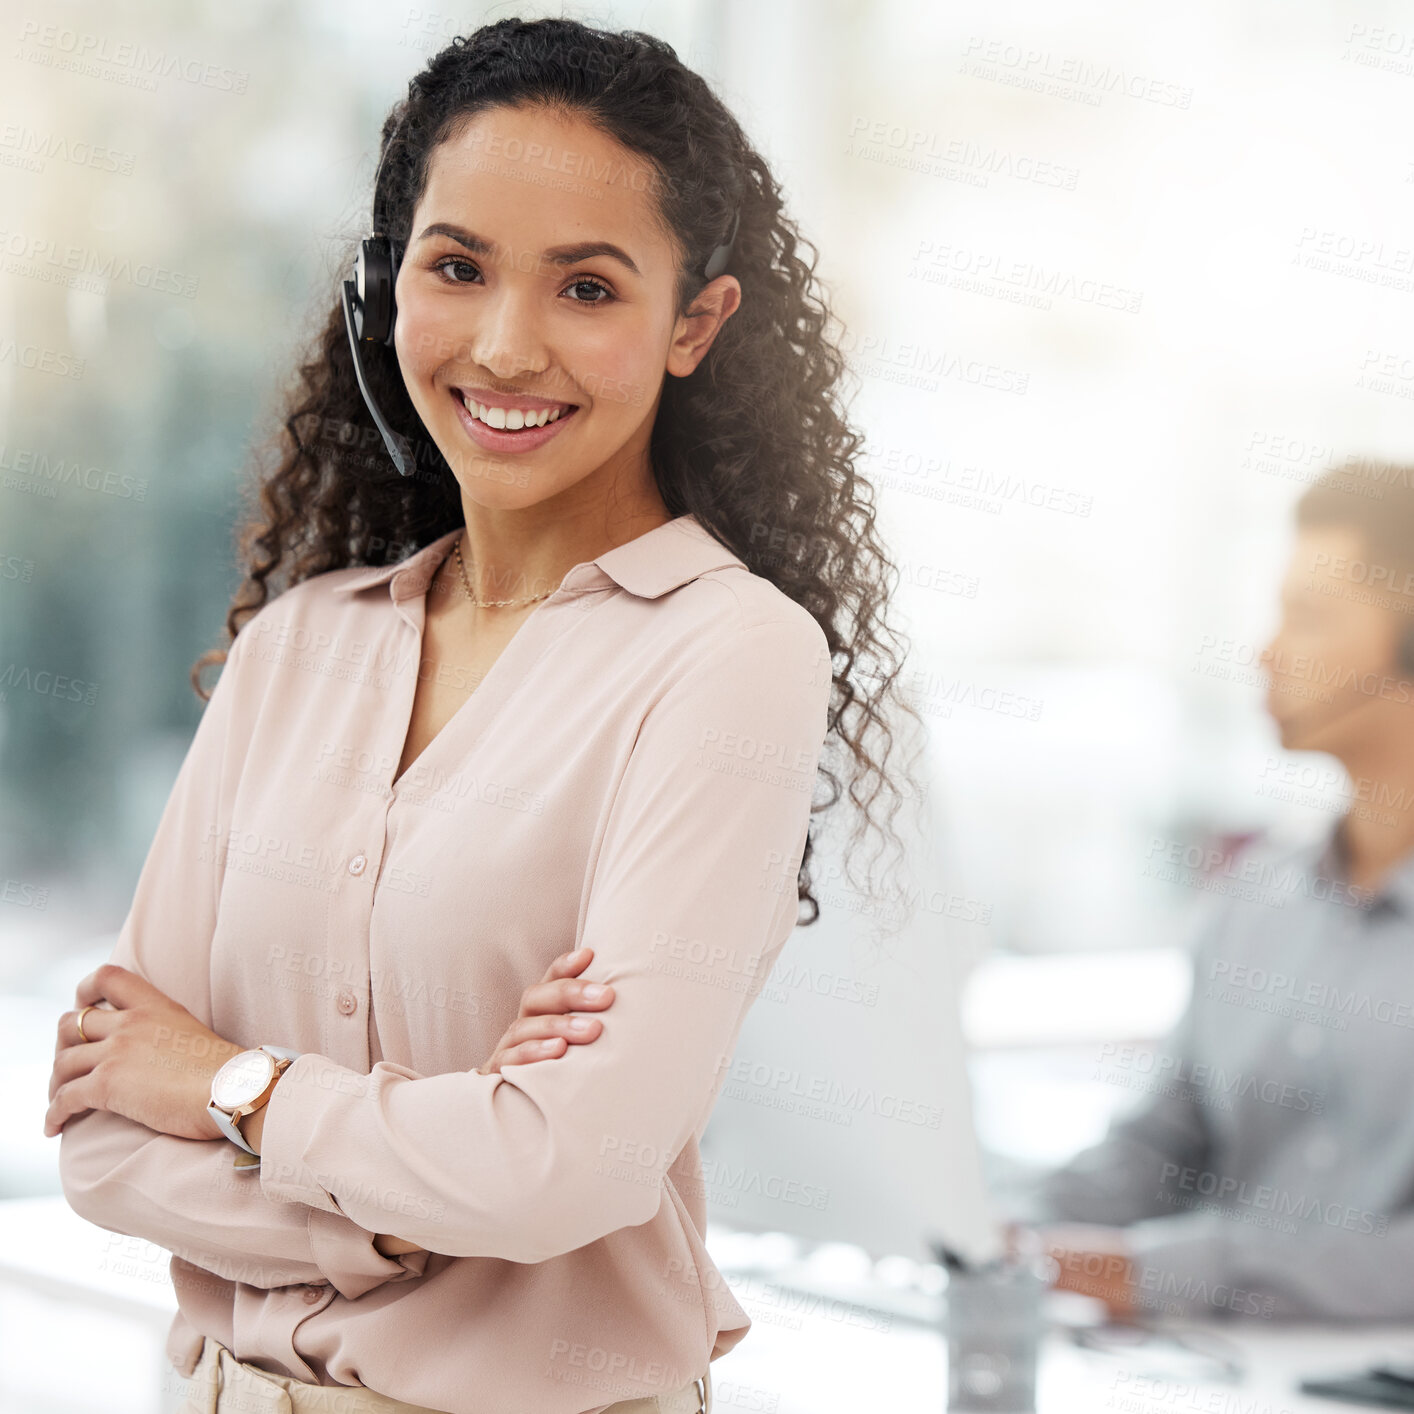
pixel 1267 1167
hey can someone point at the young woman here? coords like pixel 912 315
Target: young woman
pixel 566 683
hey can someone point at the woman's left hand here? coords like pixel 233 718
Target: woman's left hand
pixel 146 1057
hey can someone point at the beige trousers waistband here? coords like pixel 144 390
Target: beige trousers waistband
pixel 221 1384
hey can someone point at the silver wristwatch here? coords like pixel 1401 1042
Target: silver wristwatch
pixel 243 1084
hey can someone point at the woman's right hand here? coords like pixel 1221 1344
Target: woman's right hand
pixel 543 1030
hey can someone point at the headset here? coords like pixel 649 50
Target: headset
pixel 1403 663
pixel 371 314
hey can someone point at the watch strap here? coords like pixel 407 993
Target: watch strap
pixel 227 1126
pixel 249 1158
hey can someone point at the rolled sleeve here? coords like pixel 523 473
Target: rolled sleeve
pixel 690 897
pixel 182 1194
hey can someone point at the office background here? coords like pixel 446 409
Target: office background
pixel 1116 284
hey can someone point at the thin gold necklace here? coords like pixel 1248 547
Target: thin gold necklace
pixel 489 603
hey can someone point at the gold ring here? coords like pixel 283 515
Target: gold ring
pixel 92 1006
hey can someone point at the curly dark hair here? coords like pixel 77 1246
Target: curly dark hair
pixel 753 442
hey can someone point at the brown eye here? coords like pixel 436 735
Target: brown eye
pixel 451 260
pixel 585 282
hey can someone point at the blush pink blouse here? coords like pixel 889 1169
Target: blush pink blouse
pixel 634 773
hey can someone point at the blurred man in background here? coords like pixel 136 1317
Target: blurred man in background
pixel 1269 1170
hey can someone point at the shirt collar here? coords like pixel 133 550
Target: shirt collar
pixel 1396 889
pixel 649 565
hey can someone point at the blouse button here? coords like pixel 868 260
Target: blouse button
pixel 358 864
pixel 312 1294
pixel 347 1002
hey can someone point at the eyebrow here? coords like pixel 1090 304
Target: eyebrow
pixel 557 255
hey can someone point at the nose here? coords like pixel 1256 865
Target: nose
pixel 507 341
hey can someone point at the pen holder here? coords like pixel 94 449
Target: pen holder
pixel 994 1326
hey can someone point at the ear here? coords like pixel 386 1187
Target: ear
pixel 713 306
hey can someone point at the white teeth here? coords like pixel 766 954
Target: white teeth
pixel 511 419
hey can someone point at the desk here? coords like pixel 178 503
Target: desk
pixel 801 1356
pixel 1276 1358
pixel 814 1361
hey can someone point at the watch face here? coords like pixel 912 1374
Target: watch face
pixel 241 1079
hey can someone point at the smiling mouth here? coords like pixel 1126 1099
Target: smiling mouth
pixel 513 419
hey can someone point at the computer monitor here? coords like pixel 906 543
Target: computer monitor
pixel 846 1113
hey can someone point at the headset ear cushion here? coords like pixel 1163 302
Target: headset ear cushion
pixel 376 295
pixel 395 264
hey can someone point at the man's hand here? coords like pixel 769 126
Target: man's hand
pixel 146 1057
pixel 1094 1260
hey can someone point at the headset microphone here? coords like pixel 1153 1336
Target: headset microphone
pixel 370 271
pixel 1403 663
pixel 371 314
